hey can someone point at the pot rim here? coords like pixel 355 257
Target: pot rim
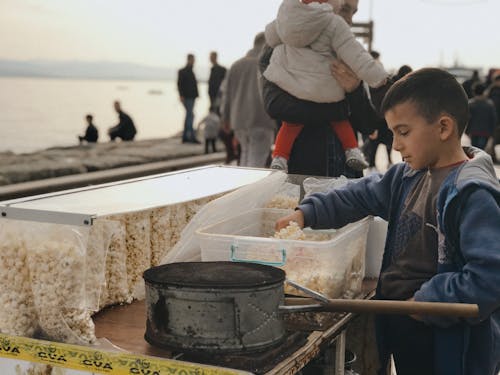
pixel 231 275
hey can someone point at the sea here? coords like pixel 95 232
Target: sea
pixel 39 113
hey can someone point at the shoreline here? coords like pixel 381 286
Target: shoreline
pixel 71 160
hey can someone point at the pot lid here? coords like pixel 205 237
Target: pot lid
pixel 214 275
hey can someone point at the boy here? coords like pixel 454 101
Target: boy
pixel 443 240
pixel 91 133
pixel 306 35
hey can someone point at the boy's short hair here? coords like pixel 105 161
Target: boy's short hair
pixel 433 91
pixel 89 117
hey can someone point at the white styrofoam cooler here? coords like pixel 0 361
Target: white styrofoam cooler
pixel 332 262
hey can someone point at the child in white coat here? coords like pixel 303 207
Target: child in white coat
pixel 306 36
pixel 212 125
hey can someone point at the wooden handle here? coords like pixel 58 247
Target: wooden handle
pixel 463 310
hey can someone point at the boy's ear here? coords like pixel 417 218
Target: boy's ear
pixel 447 127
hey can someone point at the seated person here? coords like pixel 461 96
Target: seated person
pixel 91 133
pixel 125 129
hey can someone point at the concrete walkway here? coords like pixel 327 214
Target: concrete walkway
pixel 63 168
pixel 62 161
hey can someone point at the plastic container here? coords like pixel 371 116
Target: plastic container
pixel 375 247
pixel 331 262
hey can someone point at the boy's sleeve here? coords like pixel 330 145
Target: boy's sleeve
pixel 368 196
pixel 478 282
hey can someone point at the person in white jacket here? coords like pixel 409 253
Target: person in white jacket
pixel 306 35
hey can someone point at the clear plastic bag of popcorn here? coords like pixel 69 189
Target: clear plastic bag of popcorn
pixel 18 316
pixel 161 234
pixel 68 325
pixel 57 260
pixel 99 240
pixel 116 290
pixel 138 242
pixel 56 257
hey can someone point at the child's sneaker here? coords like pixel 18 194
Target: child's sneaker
pixel 355 159
pixel 280 163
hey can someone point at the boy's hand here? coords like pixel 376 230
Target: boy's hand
pixel 283 222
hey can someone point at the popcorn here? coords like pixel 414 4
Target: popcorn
pixel 38 369
pixel 138 244
pixel 17 309
pixel 95 281
pixel 291 232
pixel 283 201
pixel 116 289
pixel 307 268
pixel 56 278
pixel 161 234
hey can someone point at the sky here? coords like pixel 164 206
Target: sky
pixel 161 32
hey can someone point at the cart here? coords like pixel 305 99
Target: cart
pixel 121 348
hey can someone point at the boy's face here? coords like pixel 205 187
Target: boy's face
pixel 418 141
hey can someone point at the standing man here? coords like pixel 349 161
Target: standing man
pixel 242 108
pixel 217 74
pixel 188 92
pixel 482 119
pixel 125 129
pixel 469 84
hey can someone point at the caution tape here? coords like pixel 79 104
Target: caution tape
pixel 103 362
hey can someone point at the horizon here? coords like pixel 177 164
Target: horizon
pixel 79 70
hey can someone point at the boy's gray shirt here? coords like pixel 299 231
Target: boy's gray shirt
pixel 469 245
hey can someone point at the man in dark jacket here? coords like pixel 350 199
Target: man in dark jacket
pixel 217 74
pixel 317 151
pixel 469 84
pixel 483 118
pixel 188 92
pixel 125 129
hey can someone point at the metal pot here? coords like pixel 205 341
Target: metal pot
pixel 234 307
pixel 214 306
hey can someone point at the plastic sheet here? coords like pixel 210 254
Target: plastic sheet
pixel 322 185
pixel 53 277
pixel 245 198
pixel 99 240
pixel 116 289
pixel 17 308
pixel 287 197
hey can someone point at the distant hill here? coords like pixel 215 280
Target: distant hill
pixel 84 70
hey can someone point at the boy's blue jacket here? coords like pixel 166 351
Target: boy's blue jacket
pixel 468 206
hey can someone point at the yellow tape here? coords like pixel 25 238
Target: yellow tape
pixel 103 362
